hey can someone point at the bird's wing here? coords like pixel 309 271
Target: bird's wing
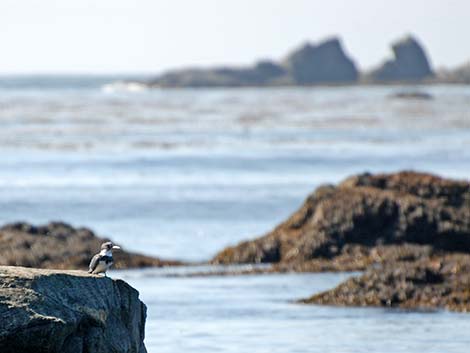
pixel 93 263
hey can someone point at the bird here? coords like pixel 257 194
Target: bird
pixel 102 261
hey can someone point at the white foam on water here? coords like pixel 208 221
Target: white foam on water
pixel 124 86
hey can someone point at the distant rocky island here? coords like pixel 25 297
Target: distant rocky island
pixel 324 63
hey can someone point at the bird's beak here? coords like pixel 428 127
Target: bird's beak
pixel 115 247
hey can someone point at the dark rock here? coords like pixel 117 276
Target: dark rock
pixel 44 311
pixel 263 73
pixel 59 245
pixel 409 63
pixel 409 231
pixel 344 224
pixel 434 282
pixel 323 63
pixel 413 95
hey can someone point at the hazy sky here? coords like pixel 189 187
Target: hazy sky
pixel 48 36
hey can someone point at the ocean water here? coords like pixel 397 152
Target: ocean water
pixel 258 314
pixel 182 173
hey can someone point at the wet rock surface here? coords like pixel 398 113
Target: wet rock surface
pixel 434 282
pixel 68 311
pixel 364 212
pixel 59 245
pixel 367 222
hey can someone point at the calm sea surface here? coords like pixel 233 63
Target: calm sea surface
pixel 183 173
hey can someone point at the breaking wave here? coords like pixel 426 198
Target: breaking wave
pixel 124 86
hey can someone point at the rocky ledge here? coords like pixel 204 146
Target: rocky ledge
pixel 389 225
pixel 435 282
pixel 68 311
pixel 61 246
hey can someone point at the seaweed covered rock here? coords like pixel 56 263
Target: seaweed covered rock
pixel 434 282
pixel 345 223
pixel 45 311
pixel 59 245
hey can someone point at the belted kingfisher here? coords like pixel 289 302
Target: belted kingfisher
pixel 104 260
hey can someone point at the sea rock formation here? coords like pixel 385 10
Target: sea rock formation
pixel 409 231
pixel 434 282
pixel 311 64
pixel 263 73
pixel 322 63
pixel 410 63
pixel 45 311
pixel 366 219
pixel 59 245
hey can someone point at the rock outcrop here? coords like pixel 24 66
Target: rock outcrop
pixel 263 73
pixel 45 311
pixel 434 282
pixel 323 63
pixel 363 216
pixel 311 64
pixel 409 231
pixel 410 63
pixel 59 245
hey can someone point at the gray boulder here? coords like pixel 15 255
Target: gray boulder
pixel 323 63
pixel 410 63
pixel 68 311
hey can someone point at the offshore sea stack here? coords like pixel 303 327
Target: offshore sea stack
pixel 409 63
pixel 323 63
pixel 309 65
pixel 61 246
pixel 45 311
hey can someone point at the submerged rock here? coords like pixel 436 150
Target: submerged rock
pixel 343 224
pixel 59 245
pixel 413 95
pixel 410 63
pixel 44 311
